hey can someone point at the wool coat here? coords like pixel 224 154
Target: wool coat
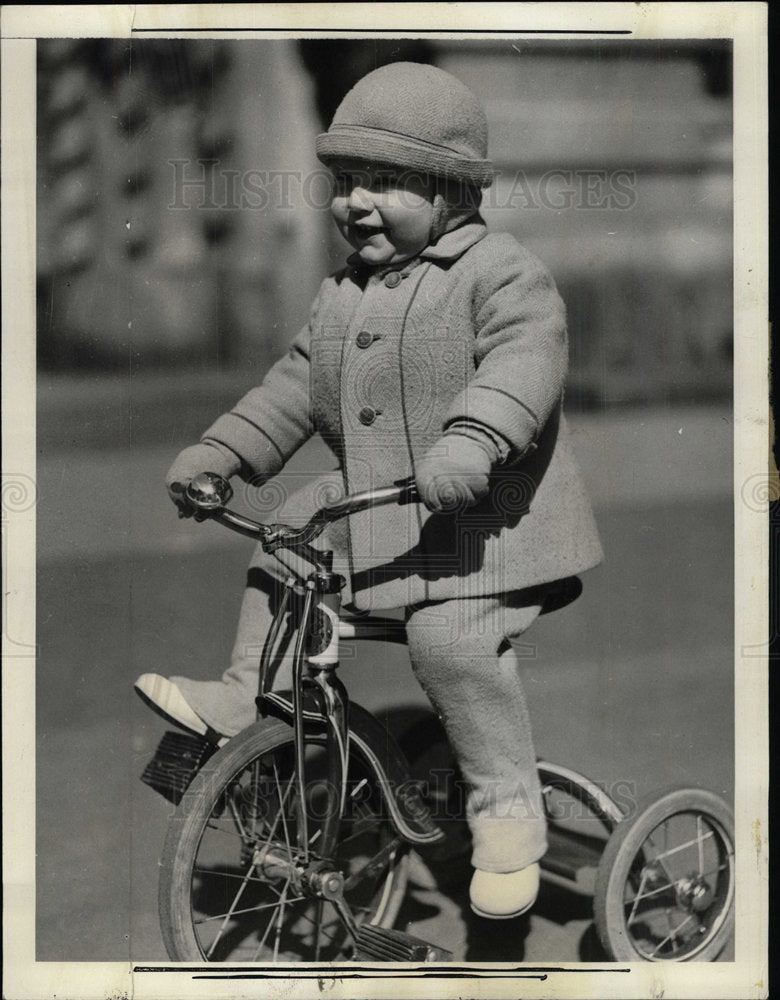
pixel 472 330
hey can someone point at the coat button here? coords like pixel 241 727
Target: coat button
pixel 364 339
pixel 393 279
pixel 367 415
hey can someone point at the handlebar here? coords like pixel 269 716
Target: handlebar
pixel 209 494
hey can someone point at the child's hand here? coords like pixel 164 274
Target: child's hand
pixel 203 457
pixel 454 473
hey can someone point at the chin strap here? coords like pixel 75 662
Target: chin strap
pixel 439 218
pixel 453 204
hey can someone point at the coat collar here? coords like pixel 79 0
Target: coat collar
pixel 455 243
pixel 448 247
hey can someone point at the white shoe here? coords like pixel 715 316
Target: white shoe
pixel 500 896
pixel 164 698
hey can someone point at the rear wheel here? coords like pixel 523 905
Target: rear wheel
pixel 665 887
pixel 233 885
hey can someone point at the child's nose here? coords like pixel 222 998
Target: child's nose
pixel 360 199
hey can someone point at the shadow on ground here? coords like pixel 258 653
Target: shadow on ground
pixel 422 738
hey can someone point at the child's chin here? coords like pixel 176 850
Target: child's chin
pixel 369 255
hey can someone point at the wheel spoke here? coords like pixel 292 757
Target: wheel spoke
pixel 636 898
pixel 696 841
pixel 672 935
pixel 267 930
pixel 361 784
pixel 647 895
pixel 229 913
pixel 714 871
pixel 211 825
pixel 227 831
pixel 258 908
pixel 223 874
pixel 237 819
pixel 280 813
pixel 279 918
pixel 659 855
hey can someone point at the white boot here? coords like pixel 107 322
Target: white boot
pixel 501 895
pixel 164 698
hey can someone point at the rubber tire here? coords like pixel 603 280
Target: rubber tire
pixel 620 852
pixel 184 834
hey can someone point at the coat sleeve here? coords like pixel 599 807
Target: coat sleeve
pixel 520 348
pixel 273 420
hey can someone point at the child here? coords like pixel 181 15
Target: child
pixel 438 351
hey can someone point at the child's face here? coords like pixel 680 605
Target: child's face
pixel 384 212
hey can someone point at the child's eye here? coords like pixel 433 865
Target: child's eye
pixel 385 179
pixel 347 181
pixel 379 180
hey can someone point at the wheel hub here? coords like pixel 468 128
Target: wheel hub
pixel 693 893
pixel 274 863
pixel 318 879
pixel 323 881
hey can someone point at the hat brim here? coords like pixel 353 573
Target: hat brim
pixel 360 142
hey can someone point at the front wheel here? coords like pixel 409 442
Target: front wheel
pixel 665 884
pixel 232 884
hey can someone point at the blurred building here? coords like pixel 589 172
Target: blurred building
pixel 183 219
pixel 615 166
pixel 159 167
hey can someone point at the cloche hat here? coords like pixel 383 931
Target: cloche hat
pixel 415 116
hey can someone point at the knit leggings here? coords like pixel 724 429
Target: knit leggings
pixel 462 658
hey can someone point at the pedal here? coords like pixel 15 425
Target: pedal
pixel 378 944
pixel 176 761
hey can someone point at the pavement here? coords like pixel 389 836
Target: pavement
pixel 633 683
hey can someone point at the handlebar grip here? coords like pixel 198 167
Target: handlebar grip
pixel 208 492
pixel 409 492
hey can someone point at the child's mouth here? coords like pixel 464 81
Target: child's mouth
pixel 366 232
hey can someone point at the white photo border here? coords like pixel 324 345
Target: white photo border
pixel 746 25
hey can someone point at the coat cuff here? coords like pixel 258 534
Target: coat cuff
pixel 500 412
pixel 258 453
pixel 497 447
pixel 229 455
